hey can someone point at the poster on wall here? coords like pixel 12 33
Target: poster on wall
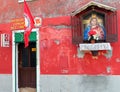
pixel 5 40
pixel 38 21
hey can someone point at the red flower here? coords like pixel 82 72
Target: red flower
pixel 92 32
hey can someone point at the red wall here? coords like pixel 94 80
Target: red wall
pixel 6 52
pixel 57 53
pixel 61 57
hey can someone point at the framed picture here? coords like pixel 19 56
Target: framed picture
pixel 94 26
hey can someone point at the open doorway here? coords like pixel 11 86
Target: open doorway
pixel 27 65
pixel 25 61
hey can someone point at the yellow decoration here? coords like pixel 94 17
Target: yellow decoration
pixel 87 21
pixel 33 49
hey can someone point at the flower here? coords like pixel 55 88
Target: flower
pixel 92 32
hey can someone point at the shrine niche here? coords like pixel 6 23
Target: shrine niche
pixel 94 27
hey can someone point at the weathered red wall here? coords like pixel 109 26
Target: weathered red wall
pixel 6 52
pixel 47 8
pixel 58 54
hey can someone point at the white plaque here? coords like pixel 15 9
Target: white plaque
pixel 5 40
pixel 95 46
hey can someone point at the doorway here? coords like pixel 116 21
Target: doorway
pixel 27 65
pixel 25 61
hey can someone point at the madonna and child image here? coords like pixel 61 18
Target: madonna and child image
pixel 95 30
pixel 94 33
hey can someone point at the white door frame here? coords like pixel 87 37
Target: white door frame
pixel 15 61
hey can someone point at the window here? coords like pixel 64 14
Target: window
pixel 106 18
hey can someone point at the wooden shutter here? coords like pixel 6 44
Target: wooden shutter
pixel 76 30
pixel 111 27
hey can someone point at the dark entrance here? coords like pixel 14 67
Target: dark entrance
pixel 27 65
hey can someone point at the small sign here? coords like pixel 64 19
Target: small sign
pixel 18 23
pixel 95 46
pixel 38 21
pixel 33 49
pixel 5 40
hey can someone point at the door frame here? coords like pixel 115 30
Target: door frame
pixel 15 60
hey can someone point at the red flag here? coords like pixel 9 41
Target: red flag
pixel 29 23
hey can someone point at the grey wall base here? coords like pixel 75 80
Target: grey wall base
pixel 78 83
pixel 5 83
pixel 69 83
